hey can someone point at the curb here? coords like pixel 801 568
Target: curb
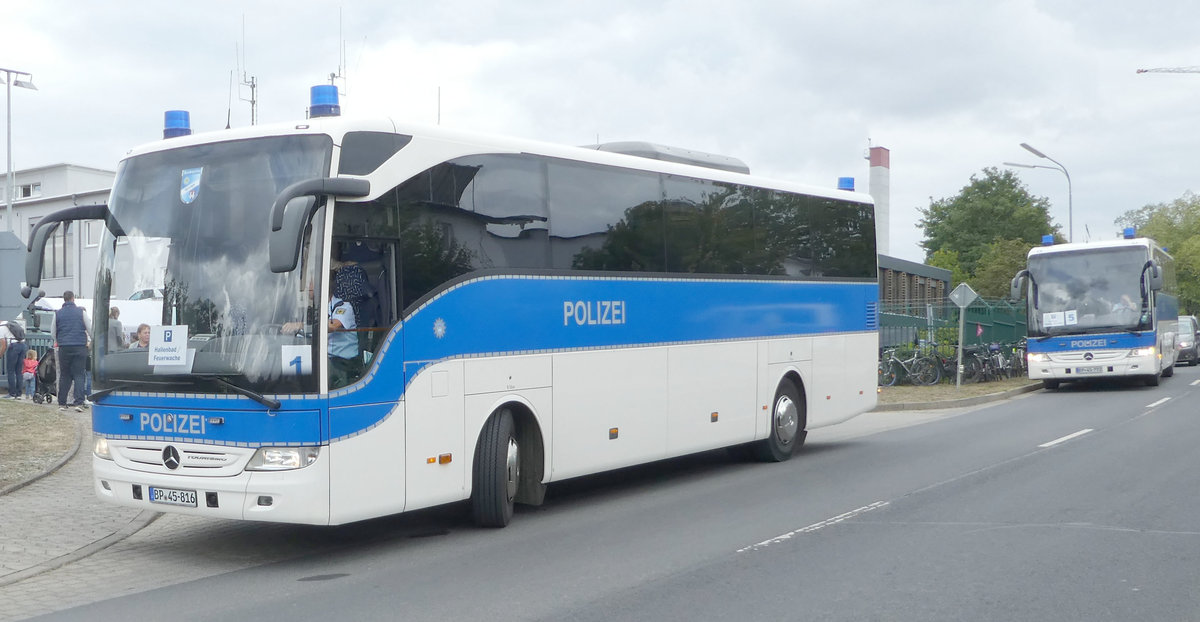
pixel 966 401
pixel 137 523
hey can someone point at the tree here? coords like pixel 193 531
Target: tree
pixel 1176 227
pixel 948 259
pixel 999 262
pixel 994 207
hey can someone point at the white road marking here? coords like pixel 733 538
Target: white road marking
pixel 815 526
pixel 1065 438
pixel 1159 402
pixel 1194 383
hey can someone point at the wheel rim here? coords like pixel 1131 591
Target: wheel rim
pixel 787 420
pixel 512 469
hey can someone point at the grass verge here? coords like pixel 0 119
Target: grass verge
pixel 906 394
pixel 32 438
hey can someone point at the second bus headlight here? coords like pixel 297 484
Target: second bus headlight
pixel 282 458
pixel 1142 351
pixel 1039 357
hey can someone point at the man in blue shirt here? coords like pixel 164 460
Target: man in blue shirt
pixel 71 331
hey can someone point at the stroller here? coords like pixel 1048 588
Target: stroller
pixel 47 379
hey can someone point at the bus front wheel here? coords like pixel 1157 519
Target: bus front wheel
pixel 787 426
pixel 497 471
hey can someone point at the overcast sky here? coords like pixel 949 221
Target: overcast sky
pixel 798 89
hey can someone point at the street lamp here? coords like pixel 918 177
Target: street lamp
pixel 1060 167
pixel 12 78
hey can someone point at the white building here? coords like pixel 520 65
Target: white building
pixel 72 253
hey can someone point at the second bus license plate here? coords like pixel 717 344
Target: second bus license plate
pixel 1095 369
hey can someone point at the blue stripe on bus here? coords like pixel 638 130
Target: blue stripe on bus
pixel 521 314
pixel 1106 341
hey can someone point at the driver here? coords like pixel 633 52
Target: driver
pixel 345 364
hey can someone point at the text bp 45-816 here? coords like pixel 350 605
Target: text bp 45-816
pixel 171 496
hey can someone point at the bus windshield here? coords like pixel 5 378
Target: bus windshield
pixel 1090 291
pixel 195 224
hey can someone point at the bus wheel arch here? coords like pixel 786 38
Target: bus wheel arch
pixel 788 420
pixel 508 466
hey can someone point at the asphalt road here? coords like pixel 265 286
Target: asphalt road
pixel 974 514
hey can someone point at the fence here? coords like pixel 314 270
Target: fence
pixel 986 321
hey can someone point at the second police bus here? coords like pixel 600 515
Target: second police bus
pixel 524 313
pixel 1100 310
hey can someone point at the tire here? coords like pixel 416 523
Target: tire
pixel 1050 385
pixel 1152 381
pixel 1168 372
pixel 497 471
pixel 926 372
pixel 887 374
pixel 787 425
pixel 973 370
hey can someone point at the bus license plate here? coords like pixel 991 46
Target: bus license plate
pixel 1089 370
pixel 171 496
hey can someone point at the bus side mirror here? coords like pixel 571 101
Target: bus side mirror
pixel 1017 284
pixel 46 227
pixel 294 207
pixel 1156 279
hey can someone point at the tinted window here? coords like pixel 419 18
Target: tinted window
pixel 605 218
pixel 531 212
pixel 474 213
pixel 363 152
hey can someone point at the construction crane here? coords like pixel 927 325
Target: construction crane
pixel 1171 70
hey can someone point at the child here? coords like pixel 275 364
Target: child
pixel 29 372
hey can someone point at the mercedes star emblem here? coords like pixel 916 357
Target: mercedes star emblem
pixel 170 457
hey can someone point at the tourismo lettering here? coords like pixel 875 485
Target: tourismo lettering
pixel 587 312
pixel 172 423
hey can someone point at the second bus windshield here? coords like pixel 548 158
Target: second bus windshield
pixel 1088 291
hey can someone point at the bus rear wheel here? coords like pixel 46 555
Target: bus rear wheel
pixel 787 426
pixel 497 471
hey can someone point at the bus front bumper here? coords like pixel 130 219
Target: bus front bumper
pixel 294 496
pixel 1074 367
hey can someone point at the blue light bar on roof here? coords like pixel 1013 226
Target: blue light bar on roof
pixel 846 183
pixel 1130 233
pixel 323 101
pixel 176 123
pixel 1048 240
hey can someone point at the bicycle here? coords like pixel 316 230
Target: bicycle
pixel 1016 362
pixel 918 369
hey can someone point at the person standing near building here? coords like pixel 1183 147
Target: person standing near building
pixel 14 354
pixel 71 332
pixel 116 332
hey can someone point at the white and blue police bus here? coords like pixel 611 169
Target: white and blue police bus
pixel 524 313
pixel 1100 310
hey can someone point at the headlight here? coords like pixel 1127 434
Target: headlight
pixel 1185 344
pixel 1142 351
pixel 1039 357
pixel 282 458
pixel 100 447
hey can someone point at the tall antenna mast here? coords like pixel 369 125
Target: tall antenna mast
pixel 342 70
pixel 248 80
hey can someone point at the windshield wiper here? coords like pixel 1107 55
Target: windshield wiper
pixel 104 392
pixel 270 403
